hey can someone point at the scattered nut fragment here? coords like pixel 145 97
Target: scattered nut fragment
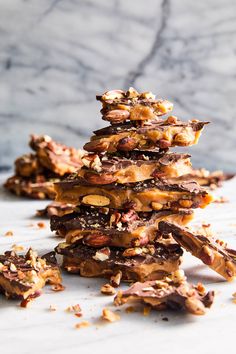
pixel 132 93
pixel 207 255
pixel 107 289
pixel 195 306
pixel 41 225
pixel 146 311
pixel 52 308
pixel 9 233
pixel 83 324
pixel 129 309
pixel 109 315
pixel 116 279
pixel 58 287
pixel 74 308
pixel 132 252
pixel 96 200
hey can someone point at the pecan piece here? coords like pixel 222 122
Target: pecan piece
pixel 206 255
pixel 164 144
pixel 95 146
pixel 96 240
pixel 131 215
pixel 107 289
pixel 116 116
pixel 127 144
pixel 116 279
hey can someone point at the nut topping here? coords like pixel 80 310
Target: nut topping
pixel 96 240
pixel 116 116
pixel 127 144
pixel 116 279
pixel 96 200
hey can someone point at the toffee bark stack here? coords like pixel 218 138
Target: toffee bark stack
pixel 129 183
pixel 35 173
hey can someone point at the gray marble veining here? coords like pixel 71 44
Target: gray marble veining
pixel 55 55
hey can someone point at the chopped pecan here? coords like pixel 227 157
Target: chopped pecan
pixel 164 144
pixel 207 255
pixel 96 240
pixel 116 279
pixel 117 116
pixel 113 94
pixel 107 289
pixel 127 144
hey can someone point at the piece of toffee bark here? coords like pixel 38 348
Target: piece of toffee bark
pixel 37 187
pixel 100 227
pixel 56 157
pixel 162 134
pixel 119 106
pixel 56 208
pixel 149 195
pixel 210 251
pixel 173 292
pixel 28 165
pixel 23 277
pixel 133 166
pixel 136 264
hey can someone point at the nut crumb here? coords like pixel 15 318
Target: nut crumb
pixel 165 319
pixel 41 225
pixel 146 311
pixel 58 287
pixel 107 289
pixel 82 324
pixel 9 233
pixel 52 308
pixel 109 315
pixel 74 308
pixel 129 309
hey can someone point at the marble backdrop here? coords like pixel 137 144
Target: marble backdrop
pixel 55 55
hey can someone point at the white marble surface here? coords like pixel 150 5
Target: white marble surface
pixel 55 55
pixel 37 330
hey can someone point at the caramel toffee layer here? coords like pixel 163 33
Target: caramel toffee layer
pixel 23 276
pixel 136 264
pixel 150 195
pixel 119 106
pixel 213 253
pixel 28 165
pixel 38 187
pixel 57 157
pixel 96 227
pixel 170 293
pixel 133 166
pixel 161 134
pixel 56 208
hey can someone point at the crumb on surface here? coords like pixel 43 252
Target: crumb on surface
pixel 58 287
pixel 83 324
pixel 17 248
pixel 146 311
pixel 9 233
pixel 109 315
pixel 41 225
pixel 52 308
